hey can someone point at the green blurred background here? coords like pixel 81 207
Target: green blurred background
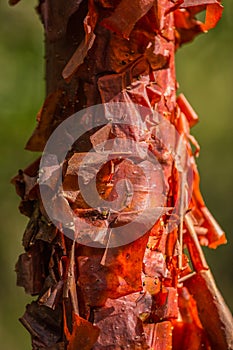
pixel 205 74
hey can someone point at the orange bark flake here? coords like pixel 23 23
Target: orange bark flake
pixel 101 283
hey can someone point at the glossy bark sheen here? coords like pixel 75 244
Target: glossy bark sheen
pixel 145 294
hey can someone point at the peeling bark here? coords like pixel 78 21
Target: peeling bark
pixel 144 294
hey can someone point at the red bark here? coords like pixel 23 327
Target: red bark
pixel 143 294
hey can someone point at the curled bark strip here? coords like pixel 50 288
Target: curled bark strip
pixel 87 43
pixel 214 314
pixel 126 190
pixel 125 17
pixel 187 109
pixel 197 255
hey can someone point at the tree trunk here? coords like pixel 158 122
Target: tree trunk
pixel 106 277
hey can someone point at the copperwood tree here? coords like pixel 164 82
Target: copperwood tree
pixel 145 286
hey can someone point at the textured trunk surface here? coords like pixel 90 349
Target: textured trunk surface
pixel 156 291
